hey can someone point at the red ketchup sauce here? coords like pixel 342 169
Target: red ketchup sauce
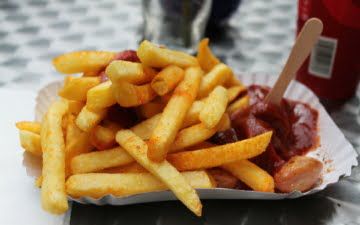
pixel 294 126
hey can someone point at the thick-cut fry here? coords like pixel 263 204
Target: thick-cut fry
pixel 217 76
pixel 98 160
pixel 75 106
pixel 53 195
pixel 102 137
pixel 214 107
pixel 130 95
pixel 34 127
pixel 87 119
pixel 146 127
pixel 76 88
pixel 30 142
pixel 206 58
pixel 100 97
pixel 77 142
pixel 234 92
pixel 252 175
pixel 164 171
pixel 174 114
pixel 97 185
pixel 150 109
pixel 239 104
pixel 219 155
pixel 82 61
pixel 167 79
pixel 154 56
pixel 128 168
pixel 192 116
pixel 132 72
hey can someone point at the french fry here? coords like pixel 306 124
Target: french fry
pixel 53 195
pixel 102 138
pixel 225 123
pixel 206 58
pixel 100 97
pixel 82 61
pixel 87 119
pixel 252 175
pixel 239 104
pixel 128 168
pixel 154 56
pixel 132 72
pixel 76 88
pixel 217 76
pixel 77 142
pixel 145 128
pixel 201 145
pixel 30 142
pixel 99 160
pixel 233 81
pixel 174 114
pixel 91 73
pixel 75 106
pixel 34 127
pixel 219 155
pixel 130 95
pixel 167 79
pixel 97 185
pixel 164 171
pixel 150 109
pixel 192 116
pixel 214 107
pixel 234 92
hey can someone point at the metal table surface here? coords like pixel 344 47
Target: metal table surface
pixel 257 39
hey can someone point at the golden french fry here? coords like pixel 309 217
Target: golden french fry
pixel 214 107
pixel 100 97
pixel 97 185
pixel 219 155
pixel 154 56
pixel 174 114
pixel 132 72
pixel 252 175
pixel 145 128
pixel 76 88
pixel 206 58
pixel 34 127
pixel 239 104
pixel 82 61
pixel 167 79
pixel 128 168
pixel 217 76
pixel 234 92
pixel 225 123
pixel 192 116
pixel 99 160
pixel 130 95
pixel 77 142
pixel 164 171
pixel 75 106
pixel 102 137
pixel 233 81
pixel 201 145
pixel 53 195
pixel 87 119
pixel 150 109
pixel 30 142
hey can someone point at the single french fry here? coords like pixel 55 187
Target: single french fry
pixel 99 160
pixel 77 142
pixel 82 61
pixel 252 175
pixel 150 109
pixel 75 106
pixel 97 185
pixel 130 95
pixel 219 155
pixel 76 88
pixel 239 104
pixel 100 97
pixel 128 168
pixel 192 116
pixel 30 142
pixel 145 128
pixel 34 127
pixel 174 114
pixel 206 58
pixel 234 92
pixel 87 119
pixel 102 137
pixel 164 171
pixel 53 195
pixel 167 79
pixel 132 72
pixel 217 76
pixel 154 56
pixel 214 107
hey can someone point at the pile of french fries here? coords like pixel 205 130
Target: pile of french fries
pixel 181 101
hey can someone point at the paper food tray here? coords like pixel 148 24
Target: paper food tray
pixel 335 151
